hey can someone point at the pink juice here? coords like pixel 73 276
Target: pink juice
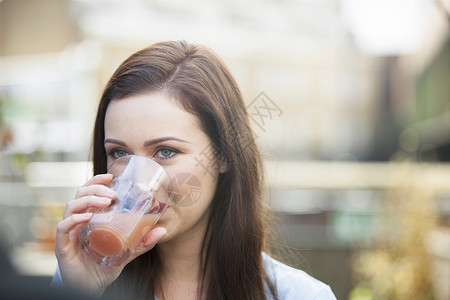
pixel 112 233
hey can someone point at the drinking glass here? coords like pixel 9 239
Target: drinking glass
pixel 144 192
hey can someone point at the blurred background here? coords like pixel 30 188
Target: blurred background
pixel 349 99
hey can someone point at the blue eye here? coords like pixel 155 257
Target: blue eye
pixel 118 153
pixel 165 153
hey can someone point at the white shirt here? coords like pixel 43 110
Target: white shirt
pixel 291 284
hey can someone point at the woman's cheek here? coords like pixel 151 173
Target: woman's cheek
pixel 191 181
pixel 187 189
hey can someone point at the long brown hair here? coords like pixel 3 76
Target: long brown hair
pixel 232 266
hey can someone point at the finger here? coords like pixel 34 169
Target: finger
pixel 82 204
pixel 97 190
pixel 99 179
pixel 150 240
pixel 65 226
pixel 153 237
pixel 73 233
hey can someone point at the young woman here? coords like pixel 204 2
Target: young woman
pixel 179 105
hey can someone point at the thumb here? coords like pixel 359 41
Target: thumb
pixel 153 237
pixel 149 241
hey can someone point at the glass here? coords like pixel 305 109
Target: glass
pixel 144 192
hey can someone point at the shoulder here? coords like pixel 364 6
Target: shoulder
pixel 295 284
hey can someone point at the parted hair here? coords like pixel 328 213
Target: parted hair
pixel 193 75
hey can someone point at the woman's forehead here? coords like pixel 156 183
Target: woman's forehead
pixel 152 112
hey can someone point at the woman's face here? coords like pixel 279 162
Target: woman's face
pixel 155 126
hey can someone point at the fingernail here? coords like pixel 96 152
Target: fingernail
pixel 162 231
pixel 112 193
pixel 105 200
pixel 106 175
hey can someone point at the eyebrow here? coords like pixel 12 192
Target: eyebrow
pixel 147 143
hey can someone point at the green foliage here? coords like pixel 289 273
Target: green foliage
pixel 397 267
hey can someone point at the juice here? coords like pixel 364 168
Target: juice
pixel 110 243
pixel 106 241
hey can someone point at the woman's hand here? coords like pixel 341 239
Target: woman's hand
pixel 76 268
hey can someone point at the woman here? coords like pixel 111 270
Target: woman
pixel 178 104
